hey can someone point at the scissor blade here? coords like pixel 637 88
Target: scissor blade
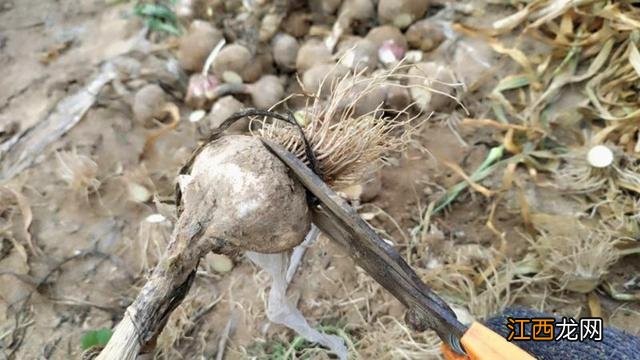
pixel 380 260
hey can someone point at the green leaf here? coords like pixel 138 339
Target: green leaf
pixel 155 11
pixel 103 336
pixel 88 340
pixel 490 163
pixel 158 25
pixel 95 338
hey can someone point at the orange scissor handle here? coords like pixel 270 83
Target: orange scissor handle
pixel 482 343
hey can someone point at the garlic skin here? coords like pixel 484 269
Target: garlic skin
pixel 390 42
pixel 391 53
pixel 200 89
pixel 244 195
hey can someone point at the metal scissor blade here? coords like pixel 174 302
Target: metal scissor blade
pixel 342 224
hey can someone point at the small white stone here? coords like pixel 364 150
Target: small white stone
pixel 600 156
pixel 433 264
pixel 414 56
pixel 138 193
pixel 231 77
pixel 197 115
pixel 221 263
pixel 155 218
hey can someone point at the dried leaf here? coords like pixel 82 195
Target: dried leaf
pixel 27 218
pixel 519 57
pixel 510 22
pixel 510 144
pixel 487 167
pixel 497 125
pixel 149 144
pixel 20 249
pixel 475 186
pixel 512 82
pixel 634 58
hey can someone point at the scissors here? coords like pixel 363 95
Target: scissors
pixel 426 310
